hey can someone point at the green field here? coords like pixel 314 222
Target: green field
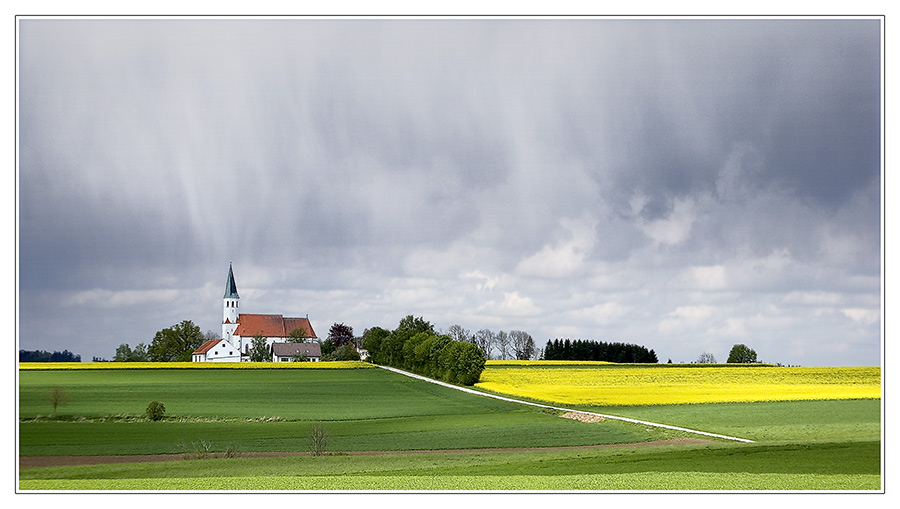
pixel 823 445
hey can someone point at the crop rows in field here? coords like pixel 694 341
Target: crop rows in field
pixel 611 386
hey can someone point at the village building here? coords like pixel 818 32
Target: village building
pixel 239 329
pixel 294 352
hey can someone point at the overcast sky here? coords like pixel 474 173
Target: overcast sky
pixel 681 184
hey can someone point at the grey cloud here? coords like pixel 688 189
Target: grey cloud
pixel 578 167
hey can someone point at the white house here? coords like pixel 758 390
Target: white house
pixel 216 350
pixel 238 330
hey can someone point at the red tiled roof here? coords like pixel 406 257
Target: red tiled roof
pixel 270 326
pixel 292 323
pixel 205 347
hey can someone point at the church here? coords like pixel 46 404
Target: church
pixel 238 330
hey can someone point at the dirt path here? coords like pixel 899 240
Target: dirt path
pixel 539 405
pixel 62 461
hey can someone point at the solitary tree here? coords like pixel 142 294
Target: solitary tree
pixel 175 343
pixel 742 354
pixel 706 358
pixel 318 439
pixel 57 396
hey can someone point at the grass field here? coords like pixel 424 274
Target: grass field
pixel 801 445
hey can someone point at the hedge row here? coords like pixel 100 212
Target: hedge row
pixel 414 346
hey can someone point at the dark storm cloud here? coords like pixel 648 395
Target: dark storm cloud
pixel 803 94
pixel 622 177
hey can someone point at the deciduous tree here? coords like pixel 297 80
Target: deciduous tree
pixel 706 358
pixel 175 343
pixel 458 333
pixel 124 353
pixel 298 335
pixel 371 340
pixel 340 335
pixel 522 345
pixel 57 396
pixel 741 354
pixel 484 339
pixel 502 342
pixel 259 349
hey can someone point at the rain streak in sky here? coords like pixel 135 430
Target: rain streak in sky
pixel 683 184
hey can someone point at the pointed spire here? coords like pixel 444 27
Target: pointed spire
pixel 230 287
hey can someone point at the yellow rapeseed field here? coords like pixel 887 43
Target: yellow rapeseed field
pixel 194 365
pixel 654 385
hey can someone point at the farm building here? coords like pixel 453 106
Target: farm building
pixel 289 352
pixel 238 330
pixel 216 350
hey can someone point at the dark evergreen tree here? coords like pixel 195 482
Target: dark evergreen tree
pixel 589 350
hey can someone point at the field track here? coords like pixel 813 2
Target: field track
pixel 503 398
pixel 64 461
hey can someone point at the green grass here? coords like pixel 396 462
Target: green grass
pixel 810 445
pixel 289 394
pixel 807 421
pixel 650 481
pixel 361 410
pixel 833 466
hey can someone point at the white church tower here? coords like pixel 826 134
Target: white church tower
pixel 230 310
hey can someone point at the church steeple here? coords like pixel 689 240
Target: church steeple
pixel 230 286
pixel 230 304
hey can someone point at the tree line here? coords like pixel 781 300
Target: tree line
pixel 739 354
pixel 590 350
pixel 415 346
pixel 513 345
pixel 42 356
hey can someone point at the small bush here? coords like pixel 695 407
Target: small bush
pixel 57 396
pixel 196 451
pixel 155 410
pixel 318 438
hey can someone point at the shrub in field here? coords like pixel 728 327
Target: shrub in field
pixel 318 439
pixel 57 396
pixel 196 451
pixel 155 410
